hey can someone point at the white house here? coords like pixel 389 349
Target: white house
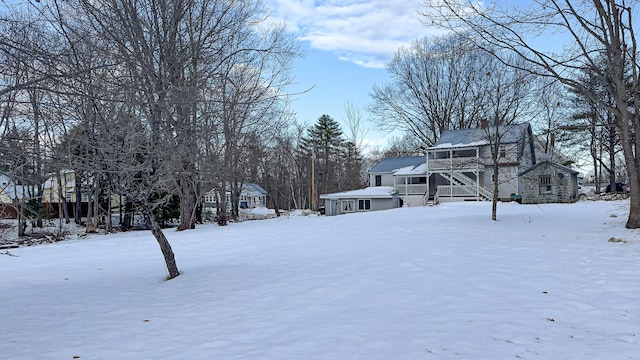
pixel 251 196
pixel 460 165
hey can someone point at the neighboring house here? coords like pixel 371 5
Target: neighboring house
pixel 10 195
pixel 251 196
pixel 548 182
pixel 460 166
pixel 57 186
pixel 368 199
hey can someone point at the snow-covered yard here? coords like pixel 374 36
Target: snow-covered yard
pixel 442 282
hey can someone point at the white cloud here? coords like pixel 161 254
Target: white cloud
pixel 366 33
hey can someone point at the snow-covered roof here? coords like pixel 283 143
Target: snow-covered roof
pixel 479 136
pixel 18 192
pixel 412 170
pixel 380 192
pixel 450 145
pixel 15 191
pixel 393 164
pixel 249 189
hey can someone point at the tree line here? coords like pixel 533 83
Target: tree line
pixel 159 102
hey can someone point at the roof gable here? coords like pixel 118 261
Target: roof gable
pixel 254 189
pixel 549 163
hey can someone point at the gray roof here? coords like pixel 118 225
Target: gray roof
pixel 510 134
pixel 391 164
pixel 254 188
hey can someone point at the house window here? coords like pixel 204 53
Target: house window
pixel 364 205
pixel 503 151
pixel 348 205
pixel 545 184
pixel 378 180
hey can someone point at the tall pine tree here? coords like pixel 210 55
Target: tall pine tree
pixel 326 140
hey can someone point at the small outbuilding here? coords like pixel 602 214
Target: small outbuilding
pixel 368 199
pixel 548 182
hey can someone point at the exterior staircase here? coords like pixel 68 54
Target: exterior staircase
pixel 431 201
pixel 466 186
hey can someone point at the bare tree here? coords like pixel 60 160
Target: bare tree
pixel 252 101
pixel 357 131
pixel 429 91
pixel 26 103
pixel 503 95
pixel 592 28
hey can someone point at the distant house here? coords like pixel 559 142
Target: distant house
pixel 60 189
pixel 548 182
pixel 369 199
pixel 251 196
pixel 10 195
pixel 459 167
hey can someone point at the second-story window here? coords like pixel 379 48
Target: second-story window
pixel 503 151
pixel 378 180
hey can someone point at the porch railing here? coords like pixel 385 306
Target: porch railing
pixel 411 189
pixel 464 163
pixel 456 190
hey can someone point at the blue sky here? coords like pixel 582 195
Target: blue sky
pixel 348 43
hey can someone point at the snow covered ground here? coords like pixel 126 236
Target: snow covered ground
pixel 443 282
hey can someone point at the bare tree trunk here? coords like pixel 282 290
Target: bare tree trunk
pixel 165 247
pixel 496 189
pixel 188 200
pixel 21 220
pixel 77 216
